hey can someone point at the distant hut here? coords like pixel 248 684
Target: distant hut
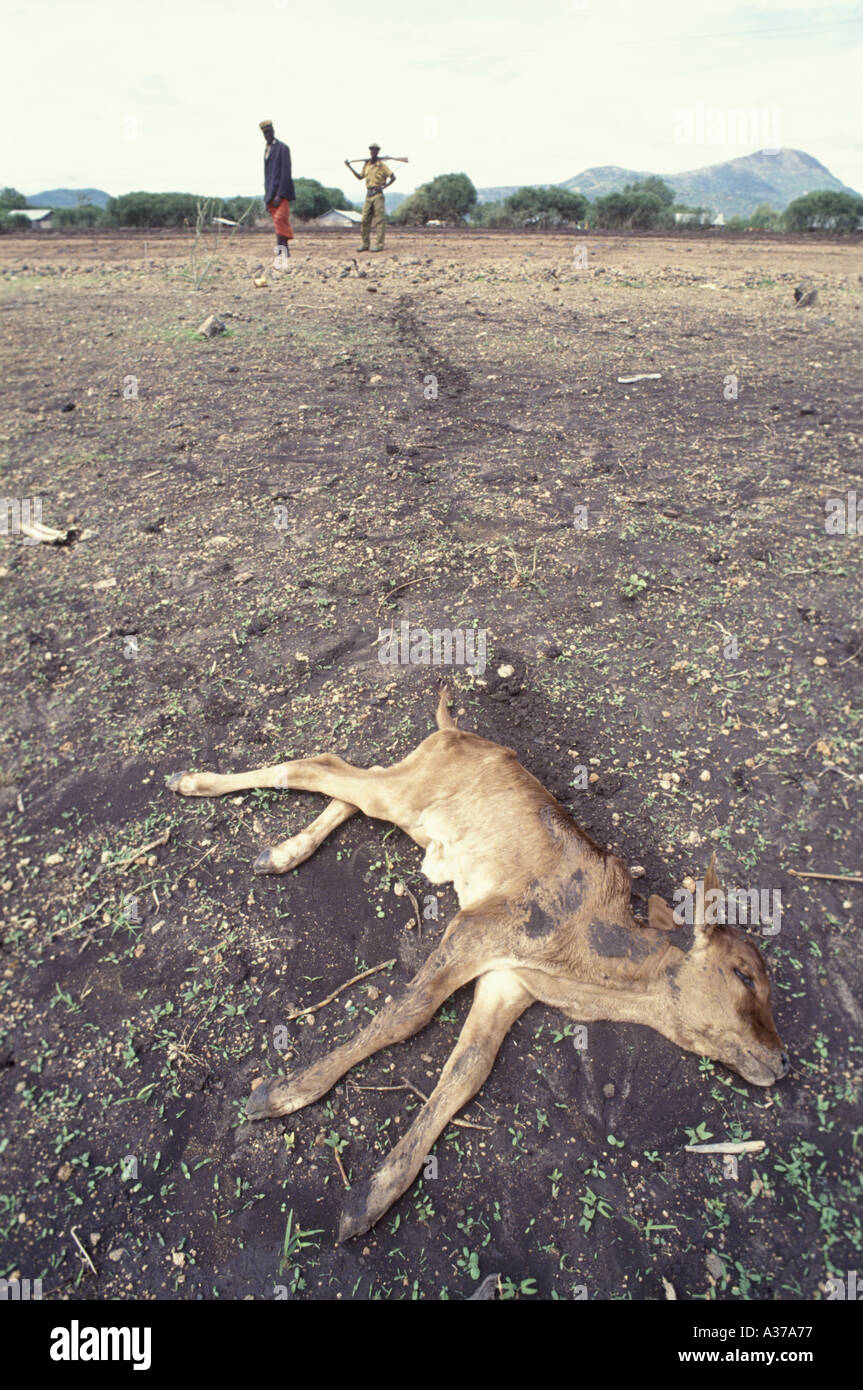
pixel 339 217
pixel 37 217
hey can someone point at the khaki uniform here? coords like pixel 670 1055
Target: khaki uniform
pixel 374 208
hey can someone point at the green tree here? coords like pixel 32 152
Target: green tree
pixel 312 199
pixel 637 206
pixel 415 209
pixel 765 218
pixel 447 198
pixel 338 199
pixel 654 184
pixel 241 209
pixel 84 215
pixel 175 209
pixel 545 207
pixel 491 215
pixel 153 210
pixel 11 198
pixel 824 210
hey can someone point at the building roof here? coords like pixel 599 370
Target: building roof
pixel 32 214
pixel 346 214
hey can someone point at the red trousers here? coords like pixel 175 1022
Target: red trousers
pixel 282 219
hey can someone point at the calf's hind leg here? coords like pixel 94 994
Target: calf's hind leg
pixel 394 793
pixel 287 855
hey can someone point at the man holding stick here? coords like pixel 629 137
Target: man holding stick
pixel 278 190
pixel 377 177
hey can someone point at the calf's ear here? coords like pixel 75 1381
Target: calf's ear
pixel 709 911
pixel 659 914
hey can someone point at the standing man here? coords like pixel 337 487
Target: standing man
pixel 377 177
pixel 278 191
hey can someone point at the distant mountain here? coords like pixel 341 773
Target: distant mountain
pixel 603 179
pixel 68 198
pixel 734 188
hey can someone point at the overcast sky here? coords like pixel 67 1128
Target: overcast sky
pixel 167 94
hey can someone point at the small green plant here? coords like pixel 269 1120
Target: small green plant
pixel 509 1289
pixel 699 1135
pixel 633 586
pixel 469 1260
pixel 592 1205
pixel 295 1241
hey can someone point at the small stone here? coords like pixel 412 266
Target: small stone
pixel 53 859
pixel 705 776
pixel 211 327
pixel 505 672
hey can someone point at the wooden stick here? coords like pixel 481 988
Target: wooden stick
pixel 397 590
pixel 338 1158
pixel 313 1008
pixel 839 878
pixel 123 864
pixel 462 1124
pixel 751 1146
pixel 416 908
pixel 73 1233
pixel 409 1086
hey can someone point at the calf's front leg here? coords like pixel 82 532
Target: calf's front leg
pixel 499 999
pixel 467 950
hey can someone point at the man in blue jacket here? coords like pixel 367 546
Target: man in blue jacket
pixel 278 191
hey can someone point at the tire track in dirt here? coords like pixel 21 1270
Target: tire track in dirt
pixel 431 359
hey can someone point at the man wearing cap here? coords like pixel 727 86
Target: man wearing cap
pixel 377 177
pixel 278 191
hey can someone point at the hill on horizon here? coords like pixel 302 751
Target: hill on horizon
pixel 735 187
pixel 68 197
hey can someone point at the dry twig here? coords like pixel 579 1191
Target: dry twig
pixel 313 1008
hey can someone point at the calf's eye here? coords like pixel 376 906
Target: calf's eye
pixel 741 975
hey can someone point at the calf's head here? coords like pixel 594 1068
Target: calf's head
pixel 720 997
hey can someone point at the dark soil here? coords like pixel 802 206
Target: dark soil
pixel 245 514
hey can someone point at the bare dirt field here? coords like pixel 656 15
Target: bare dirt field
pixel 438 436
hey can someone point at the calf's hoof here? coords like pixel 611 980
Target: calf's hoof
pixel 265 864
pixel 270 1099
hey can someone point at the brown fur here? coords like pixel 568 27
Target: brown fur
pixel 544 915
